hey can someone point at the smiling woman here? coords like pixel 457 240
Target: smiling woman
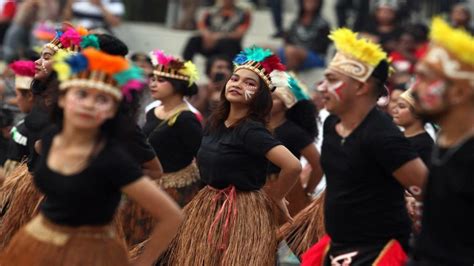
pixel 234 215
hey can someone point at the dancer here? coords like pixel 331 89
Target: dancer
pixel 83 170
pixel 172 129
pixel 444 93
pixel 414 127
pixel 230 221
pixel 17 148
pixel 293 121
pixel 175 134
pixel 367 161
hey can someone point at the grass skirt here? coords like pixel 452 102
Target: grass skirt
pixel 138 224
pixel 43 243
pixel 307 228
pixel 19 200
pixel 225 227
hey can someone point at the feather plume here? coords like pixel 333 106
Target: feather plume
pixel 23 68
pixel 70 37
pixel 191 71
pixel 362 49
pixel 90 40
pixel 109 64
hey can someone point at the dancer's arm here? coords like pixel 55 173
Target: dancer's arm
pixel 153 168
pixel 311 154
pixel 166 212
pixel 290 169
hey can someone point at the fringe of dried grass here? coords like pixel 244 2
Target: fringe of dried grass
pixel 251 236
pixel 92 246
pixel 307 228
pixel 21 199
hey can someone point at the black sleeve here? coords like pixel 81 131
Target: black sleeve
pixel 190 131
pixel 321 46
pixel 257 140
pixel 139 148
pixel 390 148
pixel 123 169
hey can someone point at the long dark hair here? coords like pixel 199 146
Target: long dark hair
pixel 182 87
pixel 303 113
pixel 259 108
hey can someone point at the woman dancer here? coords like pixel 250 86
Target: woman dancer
pixel 83 171
pixel 232 213
pixel 293 121
pixel 175 134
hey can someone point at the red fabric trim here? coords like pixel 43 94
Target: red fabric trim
pixel 315 255
pixel 392 255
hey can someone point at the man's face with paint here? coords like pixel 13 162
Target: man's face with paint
pixel 429 91
pixel 242 86
pixel 336 90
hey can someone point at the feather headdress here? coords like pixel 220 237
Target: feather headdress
pixel 173 67
pixel 94 69
pixel 451 53
pixel 24 72
pixel 288 88
pixel 355 57
pixel 68 38
pixel 261 61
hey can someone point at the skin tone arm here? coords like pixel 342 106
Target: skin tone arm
pixel 152 168
pixel 311 154
pixel 290 169
pixel 412 175
pixel 163 209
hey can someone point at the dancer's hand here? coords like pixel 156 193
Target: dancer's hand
pixel 283 206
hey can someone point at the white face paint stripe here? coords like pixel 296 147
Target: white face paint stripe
pixel 249 92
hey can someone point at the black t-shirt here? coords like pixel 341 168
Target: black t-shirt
pixel 236 156
pixel 37 123
pixel 364 202
pixel 293 137
pixel 139 148
pixel 423 145
pixel 175 145
pixel 17 146
pixel 447 233
pixel 91 196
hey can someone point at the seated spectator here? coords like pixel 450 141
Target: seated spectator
pixel 220 31
pixel 384 26
pixel 100 15
pixel 7 12
pixel 461 17
pixel 218 71
pixel 306 41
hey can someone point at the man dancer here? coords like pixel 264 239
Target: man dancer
pixel 445 94
pixel 367 161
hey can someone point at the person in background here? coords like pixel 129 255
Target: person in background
pixel 218 71
pixel 383 28
pixel 6 122
pixel 306 41
pixel 413 126
pixel 18 149
pixel 7 12
pixel 100 15
pixel 461 17
pixel 221 31
pixel 16 42
pixel 143 61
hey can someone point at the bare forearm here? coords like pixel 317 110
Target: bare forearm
pixel 286 180
pixel 314 179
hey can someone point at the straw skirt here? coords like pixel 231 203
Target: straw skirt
pixel 225 227
pixel 43 243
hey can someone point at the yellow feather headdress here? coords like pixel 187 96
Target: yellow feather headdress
pixel 451 53
pixel 355 57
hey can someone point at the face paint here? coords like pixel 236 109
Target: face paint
pixel 334 88
pixel 432 95
pixel 249 91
